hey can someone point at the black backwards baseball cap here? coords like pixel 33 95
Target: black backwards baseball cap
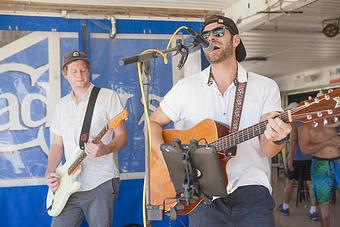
pixel 74 56
pixel 232 28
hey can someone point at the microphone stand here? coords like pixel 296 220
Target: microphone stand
pixel 153 212
pixel 180 48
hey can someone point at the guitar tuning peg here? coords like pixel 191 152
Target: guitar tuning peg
pixel 319 114
pixel 327 97
pixel 310 98
pixel 317 100
pixel 306 104
pixel 330 111
pixel 319 94
pixel 336 119
pixel 325 122
pixel 309 116
pixel 330 91
pixel 315 124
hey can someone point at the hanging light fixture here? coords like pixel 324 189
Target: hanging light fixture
pixel 330 27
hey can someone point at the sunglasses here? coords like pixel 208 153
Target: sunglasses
pixel 216 32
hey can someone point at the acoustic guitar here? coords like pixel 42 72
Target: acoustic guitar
pixel 162 191
pixel 68 172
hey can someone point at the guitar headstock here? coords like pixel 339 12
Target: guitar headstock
pixel 114 122
pixel 323 109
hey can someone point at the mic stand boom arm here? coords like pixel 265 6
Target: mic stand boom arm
pixel 179 48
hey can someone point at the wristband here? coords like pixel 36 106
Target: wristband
pixel 281 141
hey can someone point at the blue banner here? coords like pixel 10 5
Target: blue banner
pixel 31 83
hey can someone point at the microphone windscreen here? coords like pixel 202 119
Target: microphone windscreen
pixel 209 48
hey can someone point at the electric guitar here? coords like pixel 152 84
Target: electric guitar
pixel 68 172
pixel 162 191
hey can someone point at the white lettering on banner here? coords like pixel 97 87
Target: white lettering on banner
pixel 13 113
pixel 13 123
pixel 26 106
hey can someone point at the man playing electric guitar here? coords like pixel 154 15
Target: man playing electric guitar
pixel 99 176
pixel 211 94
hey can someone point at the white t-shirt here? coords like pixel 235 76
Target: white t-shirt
pixel 68 121
pixel 192 100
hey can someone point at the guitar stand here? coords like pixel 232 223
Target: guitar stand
pixel 195 172
pixel 190 184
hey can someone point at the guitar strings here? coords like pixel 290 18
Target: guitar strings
pixel 237 137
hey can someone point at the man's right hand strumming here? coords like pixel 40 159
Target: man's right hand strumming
pixel 52 180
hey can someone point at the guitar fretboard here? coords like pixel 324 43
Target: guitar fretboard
pixel 234 138
pixel 83 155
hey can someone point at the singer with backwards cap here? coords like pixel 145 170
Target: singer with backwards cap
pixel 213 93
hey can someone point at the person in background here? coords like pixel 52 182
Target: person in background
pixel 99 177
pixel 211 94
pixel 299 168
pixel 323 143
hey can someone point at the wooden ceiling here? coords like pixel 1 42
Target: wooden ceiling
pixel 173 9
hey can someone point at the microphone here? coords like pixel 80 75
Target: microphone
pixel 198 39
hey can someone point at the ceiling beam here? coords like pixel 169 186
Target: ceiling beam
pixel 67 9
pixel 170 4
pixel 251 14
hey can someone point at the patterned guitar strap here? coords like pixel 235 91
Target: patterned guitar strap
pixel 238 104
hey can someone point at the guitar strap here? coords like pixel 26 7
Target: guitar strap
pixel 235 121
pixel 84 135
pixel 238 104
